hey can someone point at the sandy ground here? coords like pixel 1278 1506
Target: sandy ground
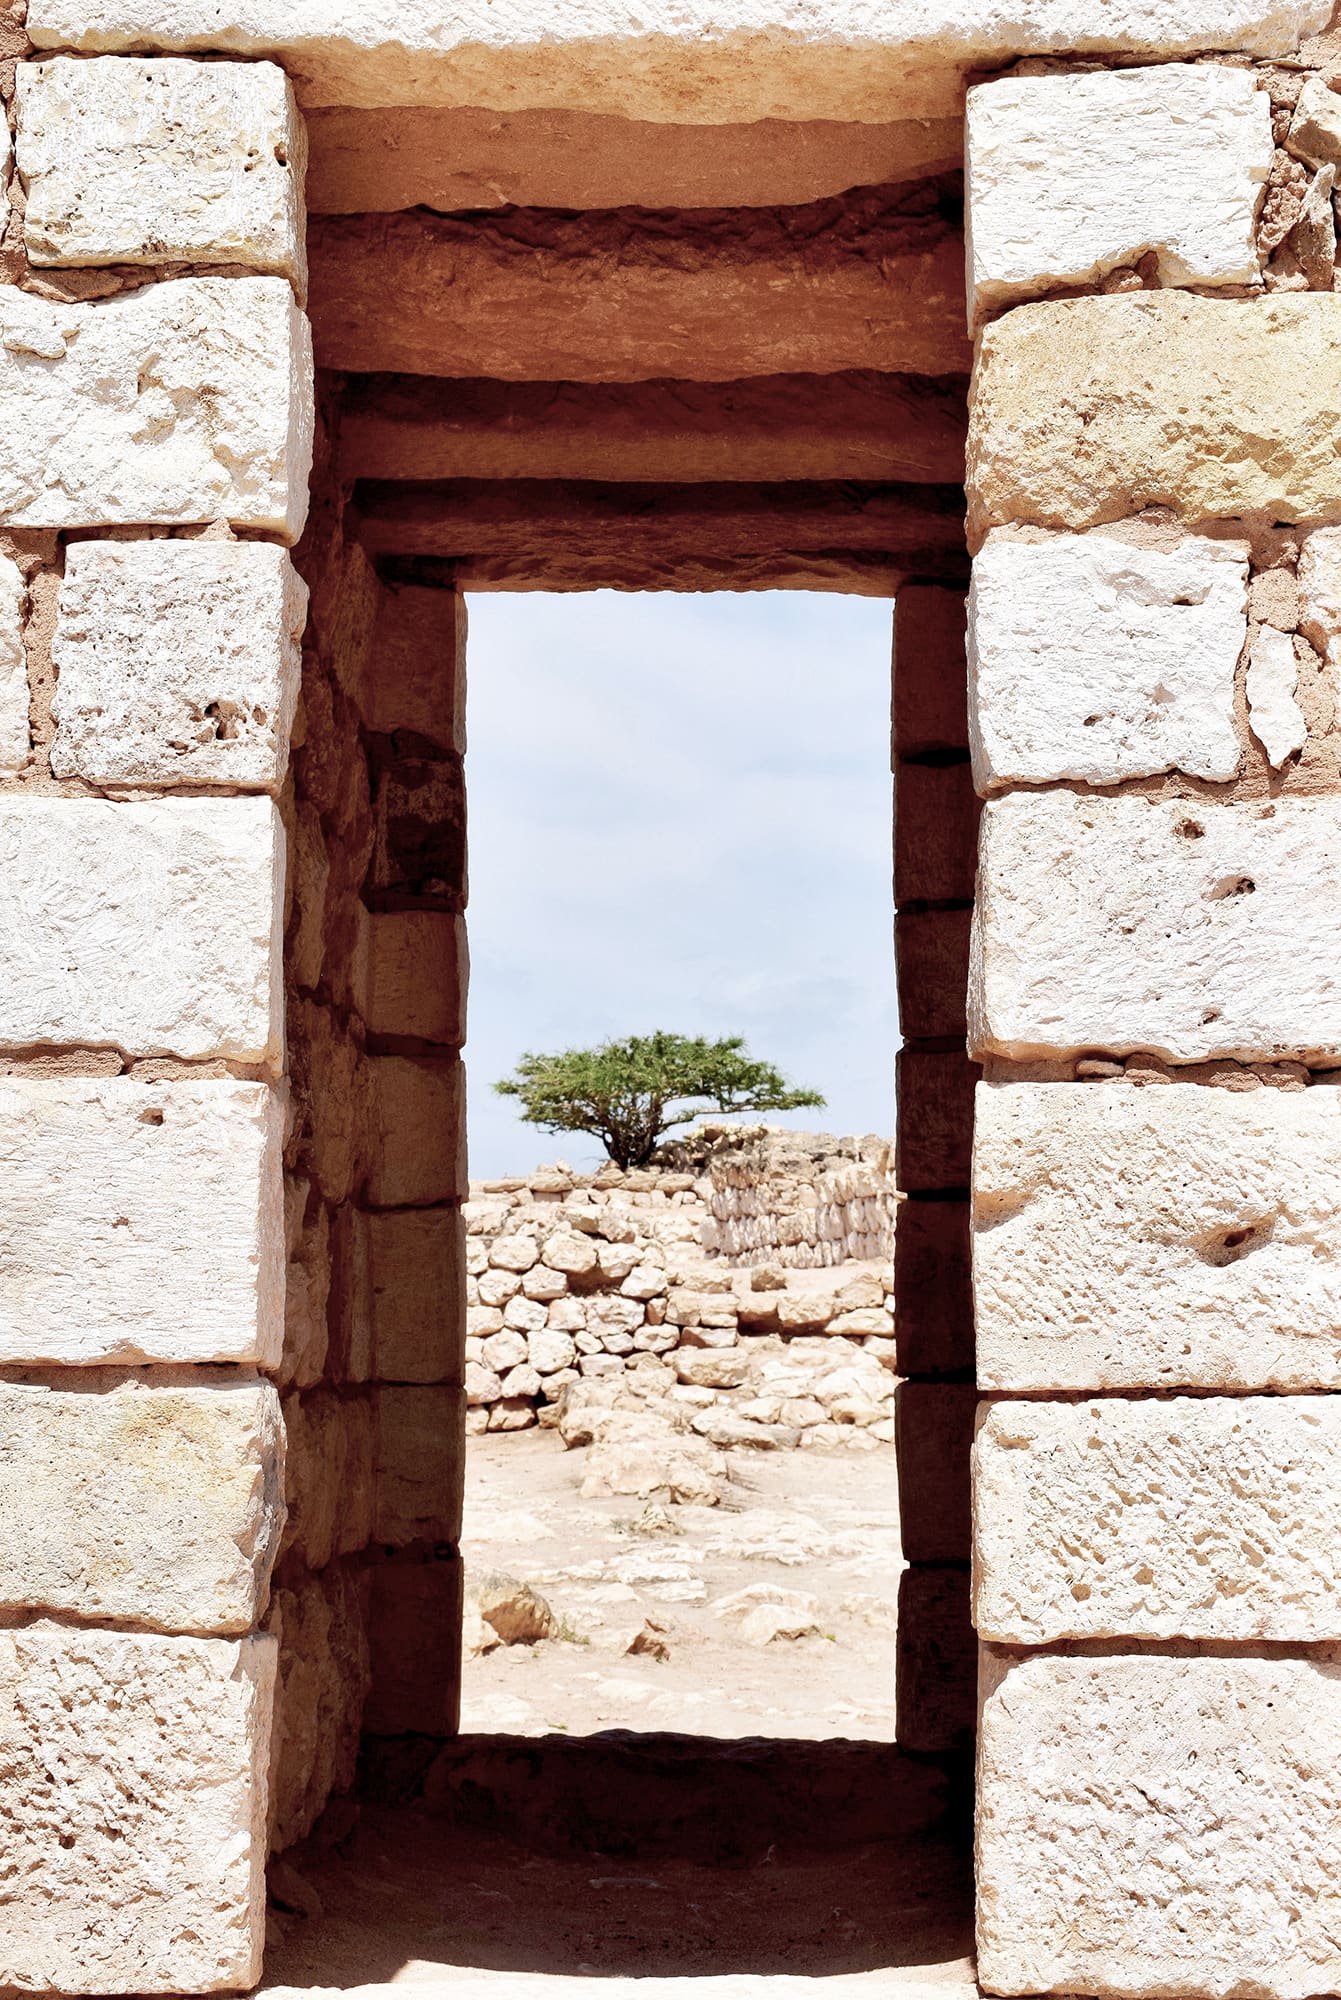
pixel 404 1897
pixel 815 1532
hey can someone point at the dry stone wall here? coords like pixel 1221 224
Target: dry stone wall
pixel 575 1278
pixel 1152 647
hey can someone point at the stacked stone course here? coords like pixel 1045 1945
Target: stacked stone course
pixel 1153 646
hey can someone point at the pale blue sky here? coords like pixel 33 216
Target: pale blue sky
pixel 680 819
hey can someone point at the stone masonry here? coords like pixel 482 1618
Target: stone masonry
pixel 682 298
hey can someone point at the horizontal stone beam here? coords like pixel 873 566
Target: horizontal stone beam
pixel 850 573
pixel 873 281
pixel 365 162
pixel 519 521
pixel 853 426
pixel 670 60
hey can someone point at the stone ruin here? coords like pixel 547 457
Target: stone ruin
pixel 574 1278
pixel 313 320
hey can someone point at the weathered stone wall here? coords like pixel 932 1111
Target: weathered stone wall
pixel 1153 638
pixel 576 1277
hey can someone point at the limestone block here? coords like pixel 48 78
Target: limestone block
pixel 154 928
pixel 1320 594
pixel 421 1454
pixel 1315 129
pixel 14 744
pixel 141 1222
pixel 331 1476
pixel 415 676
pixel 416 1265
pixel 322 1628
pixel 417 967
pixel 930 709
pixel 935 1124
pixel 936 1676
pixel 134 1801
pixel 1093 658
pixel 1154 1825
pixel 834 59
pixel 931 953
pixel 1189 929
pixel 1070 176
pixel 146 160
pixel 189 401
pixel 935 833
pixel 1203 1518
pixel 933 1305
pixel 415 1633
pixel 420 1157
pixel 934 1438
pixel 1274 716
pixel 1089 410
pixel 1166 1237
pixel 178 662
pixel 157 1500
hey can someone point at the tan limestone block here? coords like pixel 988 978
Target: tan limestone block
pixel 415 672
pixel 416 1261
pixel 329 1476
pixel 1213 1517
pixel 1094 658
pixel 1171 1236
pixel 177 662
pixel 419 1159
pixel 1089 410
pixel 1154 1824
pixel 146 160
pixel 152 1499
pixel 1187 928
pixel 188 401
pixel 134 1802
pixel 421 1455
pixel 1069 177
pixel 416 969
pixel 154 928
pixel 14 741
pixel 1315 129
pixel 140 1222
pixel 678 60
pixel 322 1629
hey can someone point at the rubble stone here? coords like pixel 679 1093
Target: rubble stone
pixel 14 739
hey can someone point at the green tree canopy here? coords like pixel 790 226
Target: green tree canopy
pixel 629 1093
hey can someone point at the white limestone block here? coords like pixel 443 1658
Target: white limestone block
pixel 155 928
pixel 1092 658
pixel 146 160
pixel 1190 929
pixel 1171 1236
pixel 177 662
pixel 1155 1824
pixel 1211 1517
pixel 686 61
pixel 1274 716
pixel 1320 597
pixel 133 1795
pixel 189 401
pixel 1315 128
pixel 151 1500
pixel 1070 176
pixel 14 741
pixel 141 1222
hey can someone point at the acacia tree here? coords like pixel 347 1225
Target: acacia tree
pixel 627 1094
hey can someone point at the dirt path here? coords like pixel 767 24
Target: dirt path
pixel 808 1539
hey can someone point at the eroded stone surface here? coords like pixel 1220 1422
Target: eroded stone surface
pixel 1315 129
pixel 154 1499
pixel 133 1805
pixel 143 160
pixel 1155 1825
pixel 1213 1517
pixel 1274 716
pixel 153 927
pixel 141 1222
pixel 1071 176
pixel 1187 928
pixel 1173 1236
pixel 1093 658
pixel 177 661
pixel 13 665
pixel 695 62
pixel 321 1625
pixel 1320 594
pixel 189 401
pixel 1088 410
